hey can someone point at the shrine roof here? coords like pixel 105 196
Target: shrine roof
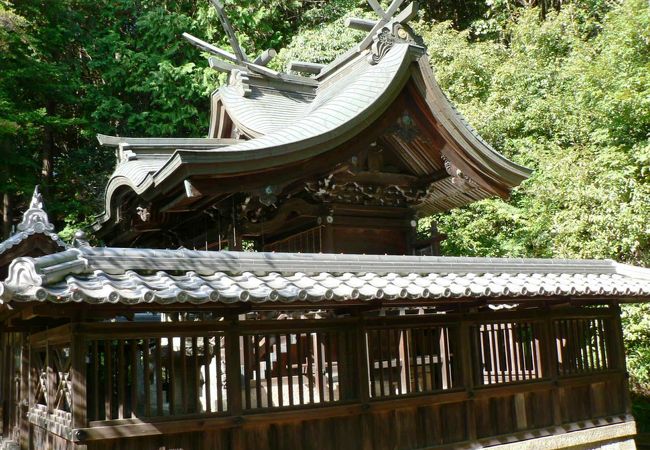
pixel 35 222
pixel 141 276
pixel 290 119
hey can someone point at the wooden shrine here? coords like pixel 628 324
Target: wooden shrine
pixel 338 328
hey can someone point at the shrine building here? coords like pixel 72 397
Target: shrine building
pixel 265 288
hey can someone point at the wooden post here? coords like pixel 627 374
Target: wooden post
pixel 616 353
pixel 24 392
pixel 362 385
pixel 467 373
pixel 51 379
pixel 78 374
pixel 79 396
pixel 233 380
pixel 549 368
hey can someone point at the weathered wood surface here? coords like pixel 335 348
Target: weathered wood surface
pixel 396 382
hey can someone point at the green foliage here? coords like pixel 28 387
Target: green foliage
pixel 568 96
pixel 560 100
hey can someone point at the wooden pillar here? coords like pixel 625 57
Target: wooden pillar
pixel 467 374
pixel 616 352
pixel 78 369
pixel 78 351
pixel 363 380
pixel 233 380
pixel 24 403
pixel 549 367
pixel 51 379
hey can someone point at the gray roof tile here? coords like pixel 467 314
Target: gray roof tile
pixel 34 222
pixel 111 275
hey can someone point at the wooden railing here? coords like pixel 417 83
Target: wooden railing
pixel 488 374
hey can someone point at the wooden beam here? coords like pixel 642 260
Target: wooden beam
pixel 360 24
pixel 221 66
pixel 202 45
pixel 230 32
pixel 265 57
pixel 307 67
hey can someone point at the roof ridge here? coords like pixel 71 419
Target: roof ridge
pixel 34 221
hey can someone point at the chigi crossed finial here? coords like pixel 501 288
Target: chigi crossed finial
pixel 237 63
pixel 237 60
pixel 385 17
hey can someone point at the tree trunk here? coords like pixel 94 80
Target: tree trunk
pixel 7 215
pixel 47 154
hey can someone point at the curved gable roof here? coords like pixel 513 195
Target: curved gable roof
pixel 293 121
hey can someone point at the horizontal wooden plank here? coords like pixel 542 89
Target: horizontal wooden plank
pixel 596 377
pixel 503 390
pixel 142 428
pixel 58 335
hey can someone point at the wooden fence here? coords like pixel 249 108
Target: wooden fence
pixel 353 382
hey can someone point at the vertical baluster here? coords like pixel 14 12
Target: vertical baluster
pixel 413 354
pixel 389 347
pixel 517 335
pixel 379 349
pixel 319 367
pixel 158 374
pixel 578 344
pixel 494 352
pixel 206 364
pixel 287 339
pixel 108 400
pixel 434 379
pixel 278 354
pixel 258 369
pixel 596 350
pixel 370 345
pixel 587 334
pixel 450 360
pixel 504 332
pixel 96 381
pixel 171 376
pixel 246 344
pixel 146 377
pixel 567 362
pixel 121 374
pixel 330 362
pixel 342 387
pixel 269 380
pixel 299 357
pixel 184 384
pixel 197 375
pixel 601 340
pixel 535 341
pixel 134 378
pixel 219 364
pixel 310 365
